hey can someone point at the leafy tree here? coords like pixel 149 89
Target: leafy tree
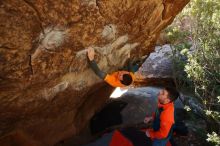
pixel 195 39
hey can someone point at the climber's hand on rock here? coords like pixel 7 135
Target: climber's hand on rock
pixel 147 119
pixel 90 53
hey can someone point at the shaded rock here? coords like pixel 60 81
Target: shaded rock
pixel 47 90
pixel 18 138
pixel 142 102
pixel 131 108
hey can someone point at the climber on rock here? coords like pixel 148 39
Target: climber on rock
pixel 115 79
pixel 163 119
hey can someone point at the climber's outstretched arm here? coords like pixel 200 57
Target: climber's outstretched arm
pixel 93 64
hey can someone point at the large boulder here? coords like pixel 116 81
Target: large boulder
pixel 158 64
pixel 158 68
pixel 47 90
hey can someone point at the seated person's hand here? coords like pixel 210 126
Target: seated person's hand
pixel 90 53
pixel 148 119
pixel 147 134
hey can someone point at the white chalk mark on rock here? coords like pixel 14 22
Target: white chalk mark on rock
pixel 50 93
pixel 53 37
pixel 109 32
pixel 88 2
pixel 50 40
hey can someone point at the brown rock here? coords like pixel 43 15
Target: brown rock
pixel 46 86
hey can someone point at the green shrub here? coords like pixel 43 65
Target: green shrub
pixel 195 35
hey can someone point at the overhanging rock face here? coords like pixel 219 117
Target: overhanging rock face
pixel 46 85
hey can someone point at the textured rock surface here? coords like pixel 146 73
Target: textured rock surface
pixel 158 64
pixel 157 69
pixel 45 83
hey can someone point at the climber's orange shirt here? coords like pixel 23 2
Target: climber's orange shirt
pixel 112 79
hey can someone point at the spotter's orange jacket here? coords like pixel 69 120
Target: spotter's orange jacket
pixel 166 120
